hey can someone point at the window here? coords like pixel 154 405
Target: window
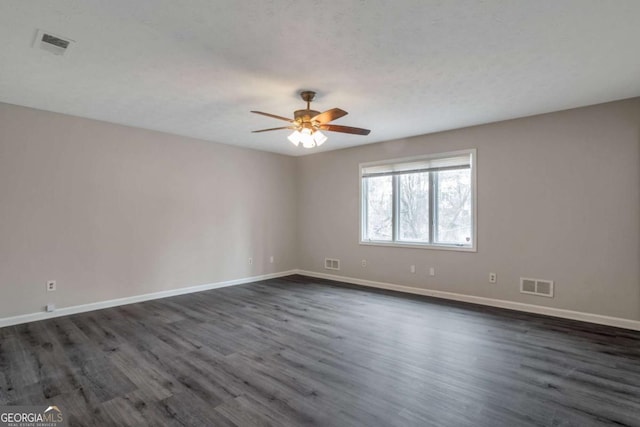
pixel 420 202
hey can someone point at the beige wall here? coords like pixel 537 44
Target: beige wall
pixel 558 199
pixel 111 211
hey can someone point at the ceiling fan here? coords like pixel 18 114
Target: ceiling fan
pixel 308 123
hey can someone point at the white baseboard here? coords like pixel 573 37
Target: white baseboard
pixel 529 308
pixel 511 305
pixel 65 311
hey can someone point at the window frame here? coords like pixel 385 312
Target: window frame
pixel 432 225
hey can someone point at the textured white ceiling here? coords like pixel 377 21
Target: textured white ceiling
pixel 400 68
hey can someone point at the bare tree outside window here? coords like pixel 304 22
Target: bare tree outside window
pixel 414 207
pixel 454 206
pixel 379 208
pixel 424 201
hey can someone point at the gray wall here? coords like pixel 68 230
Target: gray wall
pixel 558 199
pixel 111 211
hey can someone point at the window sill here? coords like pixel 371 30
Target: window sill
pixel 460 248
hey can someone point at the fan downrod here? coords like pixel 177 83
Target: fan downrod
pixel 304 116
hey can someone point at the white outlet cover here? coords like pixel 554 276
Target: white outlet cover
pixel 412 268
pixel 51 285
pixel 364 262
pixel 432 271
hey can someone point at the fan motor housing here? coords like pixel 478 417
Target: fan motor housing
pixel 305 115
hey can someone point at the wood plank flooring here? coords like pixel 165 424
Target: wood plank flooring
pixel 299 351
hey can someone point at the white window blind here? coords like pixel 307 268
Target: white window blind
pixel 462 161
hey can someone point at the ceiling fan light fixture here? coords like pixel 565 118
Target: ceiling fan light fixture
pixel 306 124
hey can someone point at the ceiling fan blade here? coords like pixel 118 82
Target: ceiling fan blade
pixel 330 115
pixel 345 129
pixel 274 116
pixel 266 130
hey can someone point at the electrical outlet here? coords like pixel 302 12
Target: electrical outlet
pixel 493 278
pixel 51 285
pixel 51 308
pixel 364 263
pixel 271 259
pixel 412 268
pixel 250 261
pixel 432 271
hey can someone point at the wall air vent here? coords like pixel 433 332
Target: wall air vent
pixel 543 288
pixel 331 264
pixel 52 43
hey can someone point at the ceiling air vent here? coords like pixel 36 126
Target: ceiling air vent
pixel 52 43
pixel 543 288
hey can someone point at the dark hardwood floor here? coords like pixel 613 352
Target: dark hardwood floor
pixel 301 351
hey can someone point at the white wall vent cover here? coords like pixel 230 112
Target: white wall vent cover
pixel 543 288
pixel 52 43
pixel 331 264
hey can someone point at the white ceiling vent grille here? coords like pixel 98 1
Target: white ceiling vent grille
pixel 543 288
pixel 331 264
pixel 52 43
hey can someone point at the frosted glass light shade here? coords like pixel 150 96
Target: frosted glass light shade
pixel 307 139
pixel 295 138
pixel 319 138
